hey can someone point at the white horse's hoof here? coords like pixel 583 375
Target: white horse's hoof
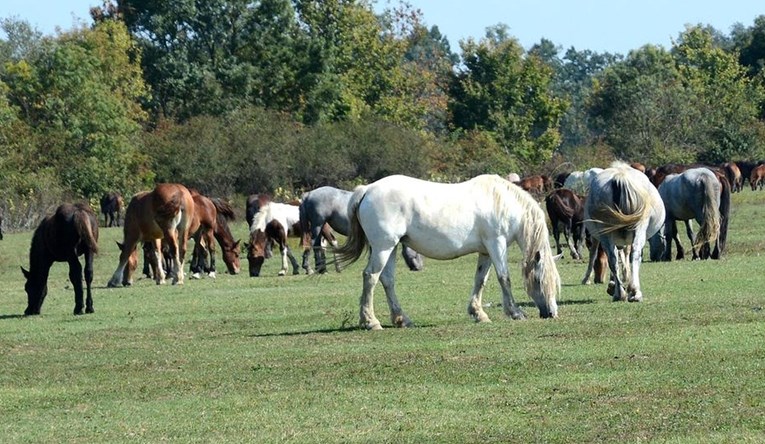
pixel 282 273
pixel 212 275
pixel 373 327
pixel 196 276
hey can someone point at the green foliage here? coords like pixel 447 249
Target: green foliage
pixel 501 91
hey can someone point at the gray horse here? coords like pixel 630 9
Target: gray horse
pixel 330 205
pixel 692 194
pixel 622 210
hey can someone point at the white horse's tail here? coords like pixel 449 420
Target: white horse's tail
pixel 627 208
pixel 356 242
pixel 710 228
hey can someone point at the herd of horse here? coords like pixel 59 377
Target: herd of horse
pixel 613 211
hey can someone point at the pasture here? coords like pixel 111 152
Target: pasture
pixel 280 359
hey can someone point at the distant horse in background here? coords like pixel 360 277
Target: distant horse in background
pixel 444 221
pixel 167 212
pixel 746 168
pixel 286 216
pixel 579 181
pixel 692 194
pixel 111 208
pixel 621 211
pixel 638 166
pixel 566 209
pixel 329 205
pixel 537 185
pixel 513 177
pixel 1 227
pixel 733 174
pixel 757 177
pixel 63 237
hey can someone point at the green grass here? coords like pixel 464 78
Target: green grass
pixel 270 359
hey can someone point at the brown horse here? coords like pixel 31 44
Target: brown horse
pixel 566 209
pixel 63 237
pixel 212 215
pixel 638 166
pixel 733 174
pixel 167 212
pixel 536 185
pixel 757 177
pixel 111 208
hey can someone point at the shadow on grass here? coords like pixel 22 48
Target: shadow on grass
pixel 328 330
pixel 529 304
pixel 9 316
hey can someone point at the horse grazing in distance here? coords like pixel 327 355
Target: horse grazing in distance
pixel 165 213
pixel 111 208
pixel 288 219
pixel 692 194
pixel 71 232
pixel 733 174
pixel 757 177
pixel 444 221
pixel 329 206
pixel 621 211
pixel 537 185
pixel 229 247
pixel 566 209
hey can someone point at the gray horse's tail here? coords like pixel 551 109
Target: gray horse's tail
pixel 710 228
pixel 356 242
pixel 722 239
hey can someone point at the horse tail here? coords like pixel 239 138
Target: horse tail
pixel 710 211
pixel 628 207
pixel 356 242
pixel 170 207
pixel 724 216
pixel 87 228
pixel 223 208
pixel 305 226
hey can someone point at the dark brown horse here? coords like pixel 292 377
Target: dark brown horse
pixel 111 208
pixel 1 227
pixel 566 209
pixel 166 213
pixel 63 237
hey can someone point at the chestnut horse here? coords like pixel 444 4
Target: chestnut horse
pixel 70 233
pixel 212 214
pixel 536 184
pixel 757 177
pixel 167 212
pixel 733 174
pixel 111 208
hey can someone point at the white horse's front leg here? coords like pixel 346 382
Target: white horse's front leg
pixel 475 307
pixel 285 261
pixel 636 257
pixel 397 315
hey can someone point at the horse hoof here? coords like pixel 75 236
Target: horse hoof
pixel 282 273
pixel 211 275
pixel 373 327
pixel 112 284
pixel 194 276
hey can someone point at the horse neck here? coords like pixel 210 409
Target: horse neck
pixel 223 233
pixel 40 259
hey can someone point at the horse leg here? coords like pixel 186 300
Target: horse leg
pixel 154 258
pixel 387 278
pixel 318 250
pixel 197 260
pixel 601 264
pixel 75 277
pixel 568 232
pixel 593 250
pixel 171 238
pixel 635 257
pixel 689 232
pixel 88 282
pixel 498 254
pixel 370 276
pixel 131 241
pixel 475 307
pixel 669 234
pixel 210 243
pixel 556 235
pixel 618 292
pixel 293 261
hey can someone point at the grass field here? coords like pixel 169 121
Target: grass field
pixel 269 359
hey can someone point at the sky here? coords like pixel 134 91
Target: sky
pixel 615 26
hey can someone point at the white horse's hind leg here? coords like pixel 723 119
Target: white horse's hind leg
pixel 636 256
pixel 367 318
pixel 387 278
pixel 618 292
pixel 475 307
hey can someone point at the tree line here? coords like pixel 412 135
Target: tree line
pixel 234 97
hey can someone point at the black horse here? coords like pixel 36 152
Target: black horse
pixel 63 237
pixel 1 227
pixel 111 208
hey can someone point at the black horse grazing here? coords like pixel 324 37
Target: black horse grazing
pixel 71 232
pixel 111 208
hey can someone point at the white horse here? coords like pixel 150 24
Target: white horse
pixel 621 211
pixel 579 181
pixel 288 216
pixel 444 221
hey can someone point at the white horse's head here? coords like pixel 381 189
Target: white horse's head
pixel 540 274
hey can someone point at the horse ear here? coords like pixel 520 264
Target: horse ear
pixel 236 244
pixel 120 246
pixel 24 272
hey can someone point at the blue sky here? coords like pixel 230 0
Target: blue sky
pixel 599 25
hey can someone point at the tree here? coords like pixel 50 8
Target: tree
pixel 503 91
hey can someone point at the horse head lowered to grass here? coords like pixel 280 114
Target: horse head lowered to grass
pixel 444 221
